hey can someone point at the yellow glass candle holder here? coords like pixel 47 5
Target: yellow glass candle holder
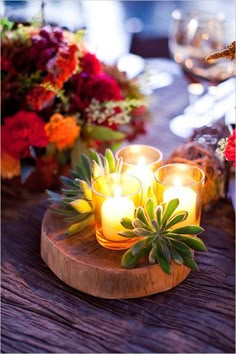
pixel 141 161
pixel 114 196
pixel 185 182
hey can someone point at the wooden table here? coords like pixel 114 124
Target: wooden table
pixel 40 314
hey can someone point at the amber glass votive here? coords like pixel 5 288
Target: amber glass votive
pixel 185 182
pixel 140 161
pixel 115 196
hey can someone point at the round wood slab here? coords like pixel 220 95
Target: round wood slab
pixel 82 263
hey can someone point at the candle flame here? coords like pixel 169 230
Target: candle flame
pixel 142 161
pixel 177 182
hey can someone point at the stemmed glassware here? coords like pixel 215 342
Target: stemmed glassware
pixel 193 36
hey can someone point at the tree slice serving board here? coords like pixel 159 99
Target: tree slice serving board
pixel 82 263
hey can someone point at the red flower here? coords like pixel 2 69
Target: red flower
pixel 230 150
pixel 90 64
pixel 64 64
pixel 103 88
pixel 21 131
pixel 5 64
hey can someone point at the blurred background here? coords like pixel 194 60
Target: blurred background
pixel 115 28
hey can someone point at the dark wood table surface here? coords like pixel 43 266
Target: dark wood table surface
pixel 41 314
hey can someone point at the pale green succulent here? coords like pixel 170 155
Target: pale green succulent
pixel 160 239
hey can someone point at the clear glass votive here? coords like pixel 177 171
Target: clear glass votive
pixel 141 161
pixel 115 196
pixel 185 182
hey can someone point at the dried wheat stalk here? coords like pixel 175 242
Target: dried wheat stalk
pixel 229 53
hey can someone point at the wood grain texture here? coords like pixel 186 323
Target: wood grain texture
pixel 86 266
pixel 41 314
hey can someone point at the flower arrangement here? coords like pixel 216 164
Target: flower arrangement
pixel 58 100
pixel 227 148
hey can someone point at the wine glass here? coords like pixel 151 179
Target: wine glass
pixel 193 37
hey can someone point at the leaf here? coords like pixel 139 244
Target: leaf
pixel 86 166
pixel 190 263
pixel 56 197
pixel 102 133
pixel 155 225
pixel 151 194
pixel 67 181
pixel 86 189
pixel 176 256
pixel 106 167
pixel 181 248
pixel 127 234
pixel 127 223
pixel 97 171
pixel 139 224
pixel 190 229
pixel 74 174
pixel 158 215
pixel 152 257
pixel 141 232
pixel 75 228
pixel 111 160
pixel 194 242
pixel 141 244
pixel 82 206
pixel 77 218
pixel 176 219
pixel 61 211
pixel 165 251
pixel 162 261
pixel 74 192
pixel 94 156
pixel 119 165
pixel 169 210
pixel 149 207
pixel 141 215
pixel 130 261
pixel 82 172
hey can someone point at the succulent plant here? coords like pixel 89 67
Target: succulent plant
pixel 160 238
pixel 75 202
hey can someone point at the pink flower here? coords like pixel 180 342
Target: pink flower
pixel 230 150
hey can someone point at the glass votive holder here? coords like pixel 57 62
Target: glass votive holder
pixel 185 182
pixel 115 196
pixel 141 161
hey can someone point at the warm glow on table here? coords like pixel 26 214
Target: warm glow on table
pixel 187 200
pixel 113 210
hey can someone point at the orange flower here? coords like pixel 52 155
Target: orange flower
pixel 62 131
pixel 10 166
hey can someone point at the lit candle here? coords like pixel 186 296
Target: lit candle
pixel 187 200
pixel 140 161
pixel 143 173
pixel 113 210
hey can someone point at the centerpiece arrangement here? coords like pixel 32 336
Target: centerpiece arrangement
pixel 102 204
pixel 58 99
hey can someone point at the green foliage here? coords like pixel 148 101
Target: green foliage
pixel 6 26
pixel 161 240
pixel 75 202
pixel 29 80
pixel 101 133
